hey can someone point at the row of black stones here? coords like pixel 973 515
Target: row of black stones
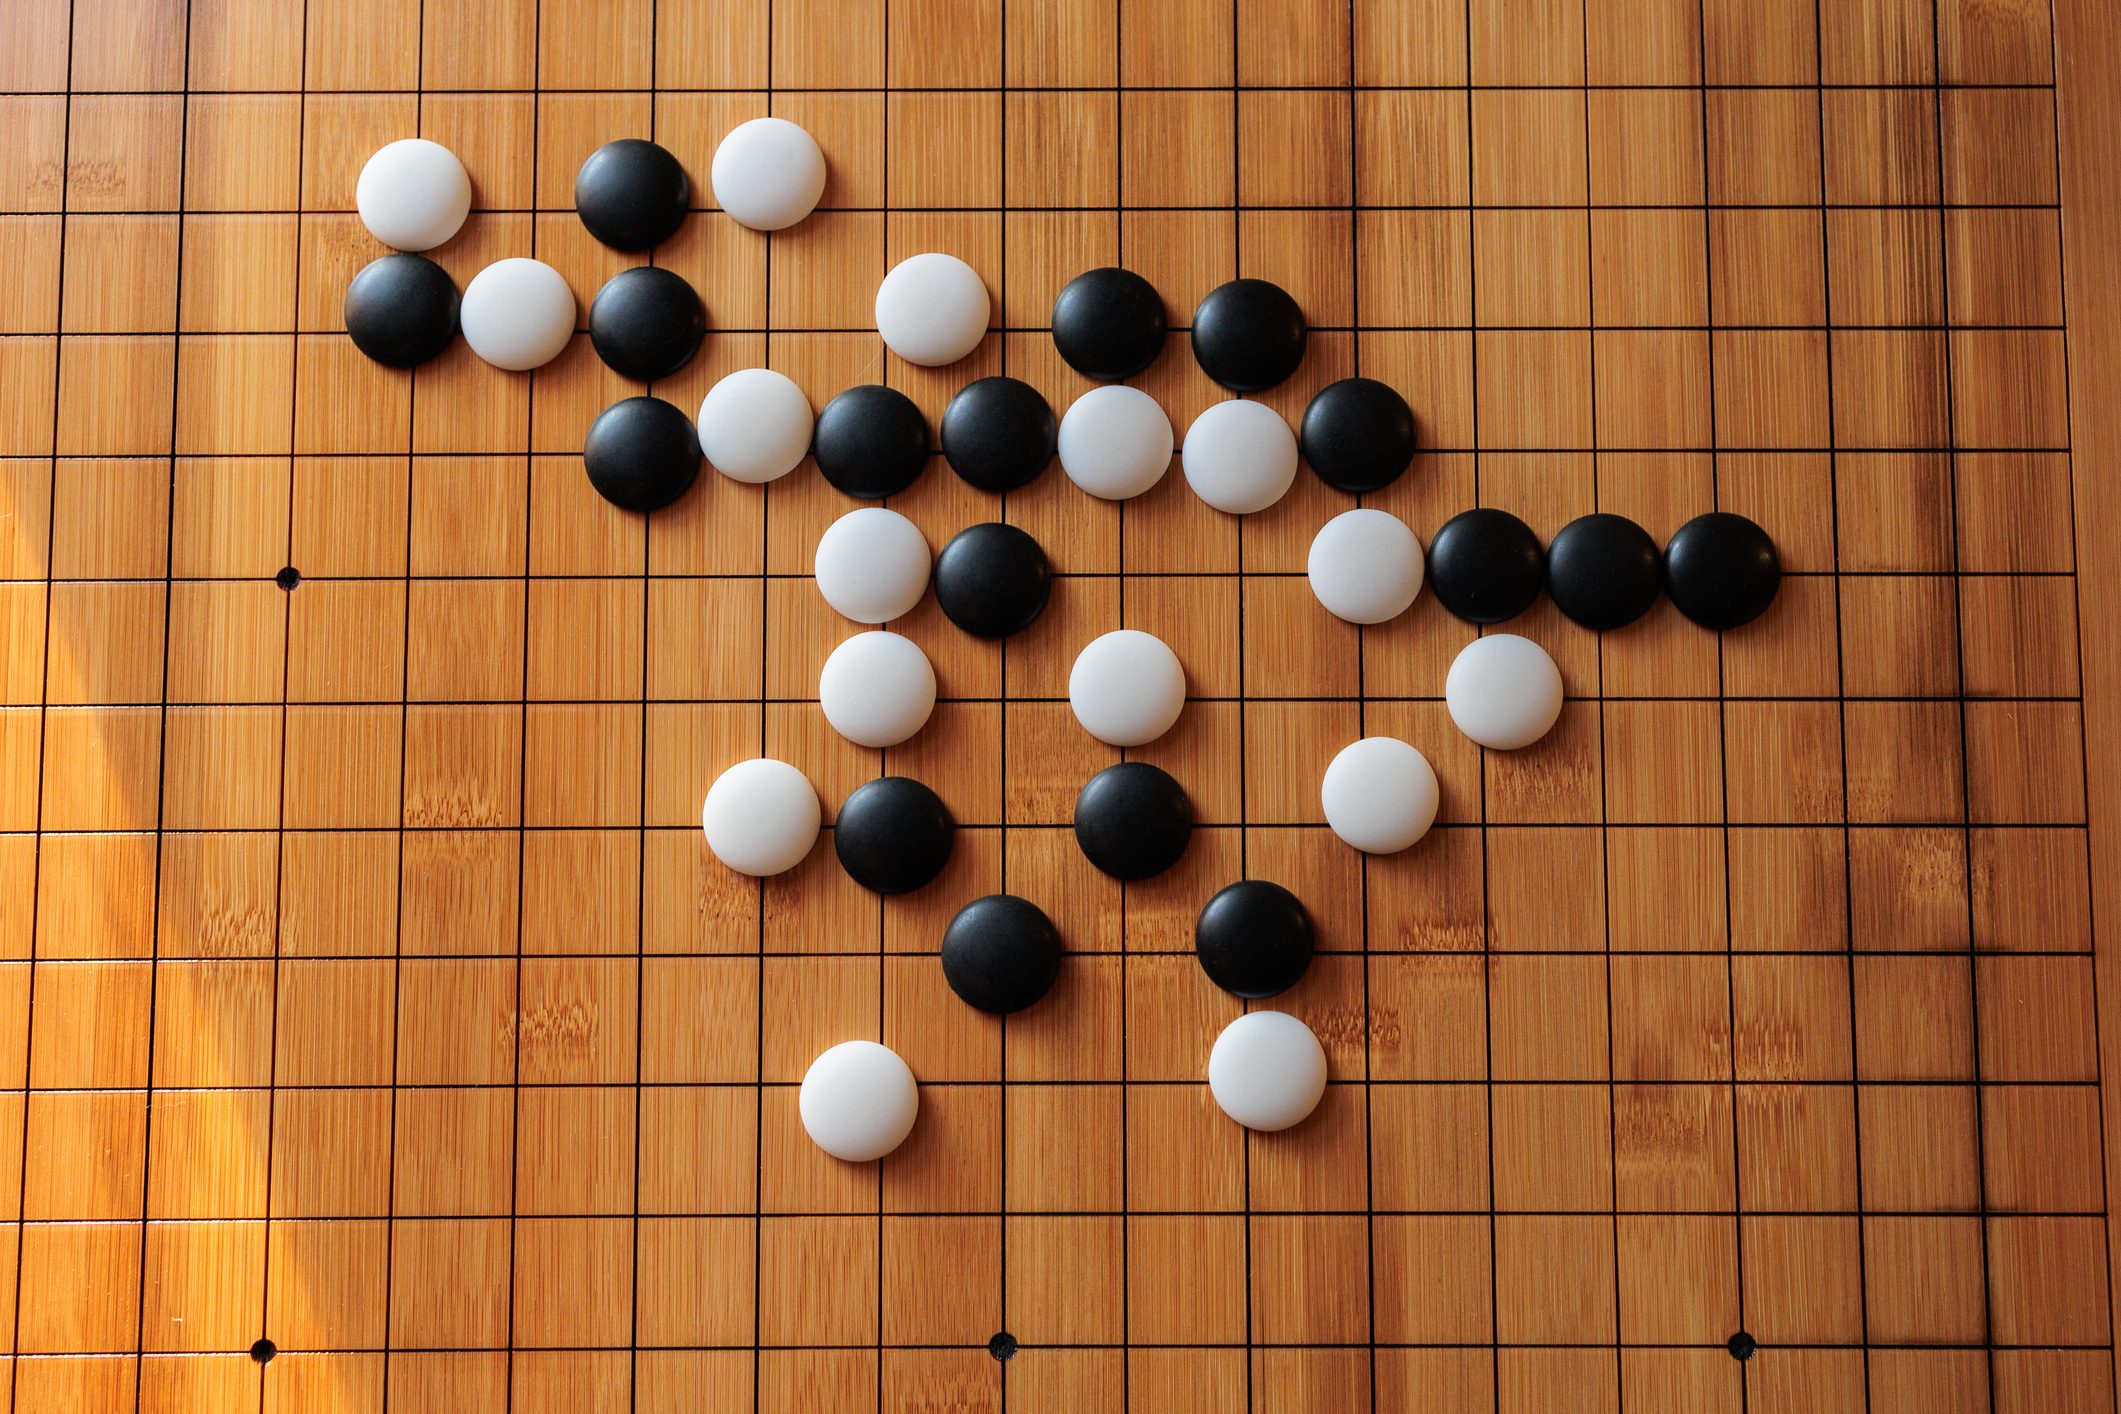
pixel 1603 570
pixel 1002 953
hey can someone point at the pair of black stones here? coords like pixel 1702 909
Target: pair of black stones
pixel 1248 335
pixel 1254 939
pixel 1603 570
pixel 872 441
pixel 1000 953
pixel 894 835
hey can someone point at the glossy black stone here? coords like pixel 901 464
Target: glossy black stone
pixel 1721 570
pixel 1486 566
pixel 893 835
pixel 1001 953
pixel 632 194
pixel 992 580
pixel 1133 820
pixel 1603 571
pixel 1109 323
pixel 871 441
pixel 647 322
pixel 998 433
pixel 1358 435
pixel 1254 939
pixel 641 453
pixel 401 310
pixel 1248 335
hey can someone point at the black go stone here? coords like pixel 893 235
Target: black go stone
pixel 1486 565
pixel 1133 820
pixel 1254 939
pixel 647 322
pixel 632 194
pixel 1001 953
pixel 641 453
pixel 992 580
pixel 1603 571
pixel 1248 335
pixel 1358 435
pixel 1721 570
pixel 893 835
pixel 998 433
pixel 401 310
pixel 871 441
pixel 1109 323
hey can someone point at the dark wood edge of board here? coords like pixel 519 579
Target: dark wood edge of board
pixel 2087 44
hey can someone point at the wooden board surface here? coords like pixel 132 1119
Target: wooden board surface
pixel 365 985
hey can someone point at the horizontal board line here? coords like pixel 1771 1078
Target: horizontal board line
pixel 1259 698
pixel 782 90
pixel 869 1214
pixel 1337 208
pixel 682 827
pixel 1722 1082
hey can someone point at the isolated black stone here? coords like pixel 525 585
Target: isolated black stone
pixel 401 309
pixel 1486 566
pixel 632 194
pixel 641 453
pixel 1248 335
pixel 1133 820
pixel 1603 571
pixel 1358 435
pixel 1254 939
pixel 1722 570
pixel 992 580
pixel 998 433
pixel 871 441
pixel 893 835
pixel 1109 323
pixel 1001 953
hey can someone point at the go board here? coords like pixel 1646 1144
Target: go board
pixel 368 990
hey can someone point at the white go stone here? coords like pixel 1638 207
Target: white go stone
pixel 858 1101
pixel 932 309
pixel 768 174
pixel 1503 691
pixel 761 816
pixel 1240 456
pixel 1115 442
pixel 877 688
pixel 872 565
pixel 1267 1070
pixel 518 313
pixel 755 425
pixel 1379 794
pixel 413 194
pixel 1127 687
pixel 1365 566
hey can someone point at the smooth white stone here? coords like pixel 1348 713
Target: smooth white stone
pixel 1115 442
pixel 932 309
pixel 1365 566
pixel 1379 794
pixel 413 194
pixel 761 816
pixel 755 425
pixel 1503 691
pixel 518 313
pixel 877 688
pixel 1240 456
pixel 767 174
pixel 1127 687
pixel 858 1101
pixel 1267 1070
pixel 872 565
